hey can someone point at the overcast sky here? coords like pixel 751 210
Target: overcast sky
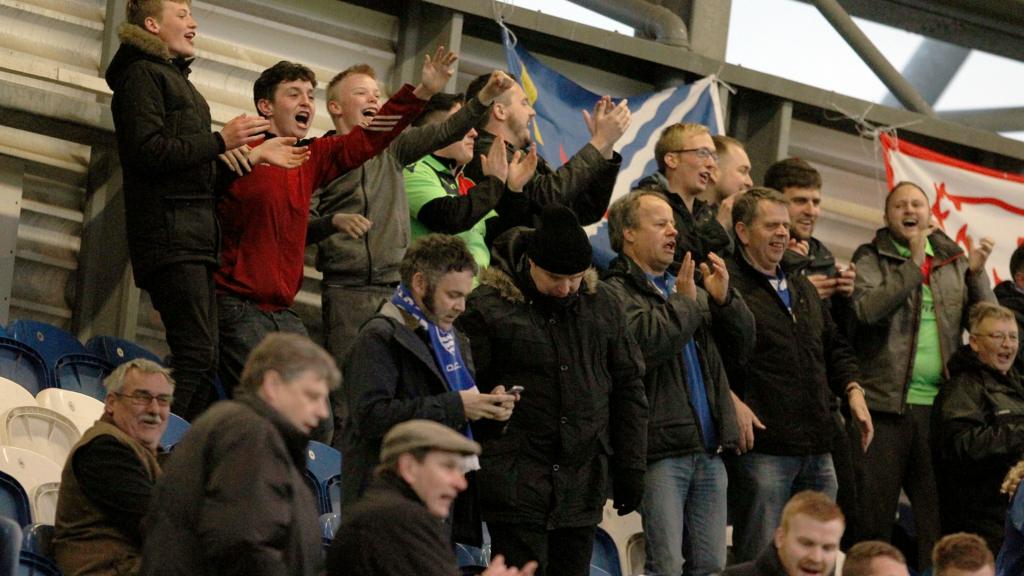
pixel 984 81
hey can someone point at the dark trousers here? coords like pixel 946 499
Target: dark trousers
pixel 899 457
pixel 846 477
pixel 345 310
pixel 560 552
pixel 184 296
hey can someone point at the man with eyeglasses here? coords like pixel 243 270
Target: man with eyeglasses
pixel 109 476
pixel 687 162
pixel 979 426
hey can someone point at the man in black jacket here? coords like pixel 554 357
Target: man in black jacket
pixel 407 360
pixel 692 418
pixel 800 358
pixel 234 500
pixel 805 543
pixel 584 183
pixel 396 529
pixel 167 155
pixel 540 319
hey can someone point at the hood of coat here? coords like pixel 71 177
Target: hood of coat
pixel 509 272
pixel 138 44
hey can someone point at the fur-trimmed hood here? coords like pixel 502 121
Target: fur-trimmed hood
pixel 509 270
pixel 138 44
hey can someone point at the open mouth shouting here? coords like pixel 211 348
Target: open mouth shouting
pixel 302 119
pixel 368 114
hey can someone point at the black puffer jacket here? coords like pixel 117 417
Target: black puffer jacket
pixel 584 184
pixel 797 359
pixel 583 403
pixel 661 328
pixel 1013 298
pixel 168 155
pixel 699 232
pixel 978 434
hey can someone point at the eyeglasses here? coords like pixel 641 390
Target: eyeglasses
pixel 1000 337
pixel 702 153
pixel 143 398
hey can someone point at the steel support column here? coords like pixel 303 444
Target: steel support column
pixel 872 56
pixel 931 69
pixel 424 28
pixel 12 174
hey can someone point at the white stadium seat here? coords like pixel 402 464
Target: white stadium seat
pixel 83 410
pixel 40 430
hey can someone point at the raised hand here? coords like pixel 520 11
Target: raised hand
pixel 980 253
pixel 280 151
pixel 607 124
pixel 521 169
pixel 243 130
pixel 716 278
pixel 685 283
pixel 917 240
pixel 495 162
pixel 496 85
pixel 437 70
pixel 355 226
pixel 237 160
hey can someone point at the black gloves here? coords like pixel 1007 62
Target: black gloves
pixel 628 490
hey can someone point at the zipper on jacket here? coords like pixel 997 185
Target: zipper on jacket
pixel 913 350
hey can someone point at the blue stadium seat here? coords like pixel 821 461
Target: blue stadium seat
pixel 10 542
pixel 30 564
pixel 51 342
pixel 117 351
pixel 14 502
pixel 38 539
pixel 176 428
pixel 22 364
pixel 323 463
pixel 605 559
pixel 83 373
pixel 469 556
pixel 329 524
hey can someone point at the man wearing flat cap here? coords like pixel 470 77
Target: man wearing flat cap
pixel 396 528
pixel 540 319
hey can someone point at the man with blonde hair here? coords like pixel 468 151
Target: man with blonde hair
pixel 360 221
pixel 806 542
pixel 233 500
pixel 687 160
pixel 962 554
pixel 109 476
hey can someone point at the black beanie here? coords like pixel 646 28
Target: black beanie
pixel 559 245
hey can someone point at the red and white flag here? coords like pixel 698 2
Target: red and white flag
pixel 969 202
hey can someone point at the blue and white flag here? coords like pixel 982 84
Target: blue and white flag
pixel 559 130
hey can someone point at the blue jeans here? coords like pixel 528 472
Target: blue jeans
pixel 685 490
pixel 759 487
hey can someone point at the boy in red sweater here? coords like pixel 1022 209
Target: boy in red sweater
pixel 263 214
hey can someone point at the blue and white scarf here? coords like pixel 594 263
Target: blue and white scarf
pixel 447 353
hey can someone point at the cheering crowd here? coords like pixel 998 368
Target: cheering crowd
pixel 723 369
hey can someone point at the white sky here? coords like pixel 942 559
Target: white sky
pixel 799 44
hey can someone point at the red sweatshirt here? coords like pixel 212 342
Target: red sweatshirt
pixel 263 214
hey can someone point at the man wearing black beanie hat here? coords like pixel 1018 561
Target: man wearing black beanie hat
pixel 540 319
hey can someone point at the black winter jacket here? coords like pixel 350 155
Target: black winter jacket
pixel 391 533
pixel 1013 298
pixel 797 359
pixel 661 327
pixel 583 407
pixel 390 377
pixel 978 434
pixel 698 232
pixel 767 563
pixel 233 500
pixel 168 155
pixel 584 184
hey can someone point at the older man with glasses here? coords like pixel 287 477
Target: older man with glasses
pixel 979 426
pixel 109 477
